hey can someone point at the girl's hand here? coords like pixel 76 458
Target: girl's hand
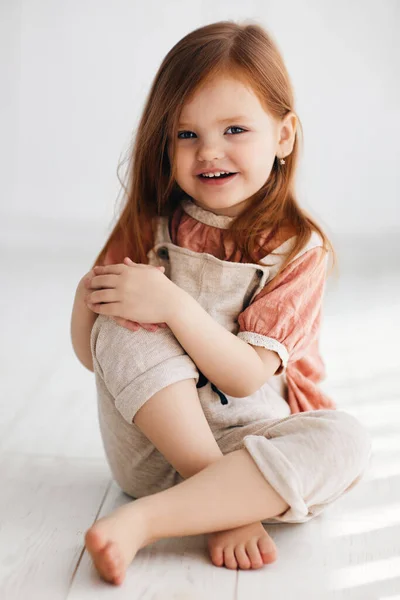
pixel 131 325
pixel 134 325
pixel 132 292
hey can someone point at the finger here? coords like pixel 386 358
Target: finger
pixel 103 295
pixel 100 296
pixel 88 278
pixel 103 269
pixel 110 309
pixel 104 281
pixel 148 326
pixel 132 325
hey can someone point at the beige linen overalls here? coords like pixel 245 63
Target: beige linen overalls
pixel 310 458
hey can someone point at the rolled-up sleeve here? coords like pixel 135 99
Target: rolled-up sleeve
pixel 285 315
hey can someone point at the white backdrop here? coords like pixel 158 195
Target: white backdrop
pixel 74 76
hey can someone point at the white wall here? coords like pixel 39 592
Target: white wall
pixel 75 74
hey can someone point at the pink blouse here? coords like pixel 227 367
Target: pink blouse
pixel 287 310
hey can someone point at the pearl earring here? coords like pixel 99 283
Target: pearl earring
pixel 282 161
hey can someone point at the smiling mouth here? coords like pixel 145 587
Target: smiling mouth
pixel 216 177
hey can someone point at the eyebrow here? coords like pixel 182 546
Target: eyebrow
pixel 229 120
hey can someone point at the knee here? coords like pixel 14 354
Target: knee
pixel 109 339
pixel 352 441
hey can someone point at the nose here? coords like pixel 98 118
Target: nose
pixel 209 150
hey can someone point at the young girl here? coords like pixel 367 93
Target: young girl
pixel 213 419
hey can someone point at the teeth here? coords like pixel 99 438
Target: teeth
pixel 217 174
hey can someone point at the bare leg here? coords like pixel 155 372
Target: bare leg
pixel 229 493
pixel 174 421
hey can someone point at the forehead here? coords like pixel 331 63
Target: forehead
pixel 222 99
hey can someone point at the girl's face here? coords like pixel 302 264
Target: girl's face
pixel 225 127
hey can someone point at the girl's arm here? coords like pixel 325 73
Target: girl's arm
pixel 237 368
pixel 82 322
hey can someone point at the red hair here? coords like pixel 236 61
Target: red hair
pixel 248 53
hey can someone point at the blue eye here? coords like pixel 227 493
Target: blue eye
pixel 233 127
pixel 183 132
pixel 185 138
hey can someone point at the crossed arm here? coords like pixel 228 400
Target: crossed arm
pixel 234 366
pixel 237 368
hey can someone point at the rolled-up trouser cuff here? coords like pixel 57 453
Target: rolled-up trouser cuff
pixel 279 472
pixel 142 388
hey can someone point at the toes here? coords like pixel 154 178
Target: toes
pixel 242 558
pixel 106 555
pixel 119 579
pixel 112 562
pixel 217 556
pixel 229 558
pixel 109 565
pixel 254 554
pixel 267 550
pixel 94 540
pixel 103 563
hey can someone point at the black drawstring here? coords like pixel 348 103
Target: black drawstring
pixel 203 381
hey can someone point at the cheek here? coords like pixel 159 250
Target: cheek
pixel 247 152
pixel 261 155
pixel 184 162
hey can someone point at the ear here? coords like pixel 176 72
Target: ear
pixel 287 134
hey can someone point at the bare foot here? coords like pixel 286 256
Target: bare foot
pixel 113 541
pixel 246 547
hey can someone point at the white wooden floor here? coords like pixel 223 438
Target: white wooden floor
pixel 55 480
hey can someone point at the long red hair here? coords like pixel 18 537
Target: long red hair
pixel 247 52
